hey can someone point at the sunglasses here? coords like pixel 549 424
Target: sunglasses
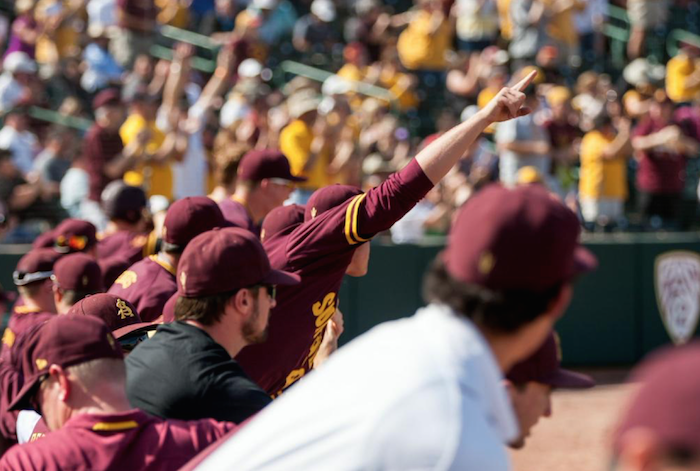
pixel 130 342
pixel 282 182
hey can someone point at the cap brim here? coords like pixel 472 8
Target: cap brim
pixel 279 277
pixel 584 261
pixel 137 328
pixel 566 379
pixel 21 400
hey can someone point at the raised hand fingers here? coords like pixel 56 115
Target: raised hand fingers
pixel 523 84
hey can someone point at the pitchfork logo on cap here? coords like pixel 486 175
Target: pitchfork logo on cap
pixel 183 280
pixel 124 310
pixel 677 282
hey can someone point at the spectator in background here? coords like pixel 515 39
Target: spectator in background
pixel 137 23
pixel 304 143
pixel 683 75
pixel 61 26
pixel 226 160
pixel 56 158
pixel 272 20
pixel 18 72
pixel 476 24
pixel 102 70
pixel 315 33
pixel 138 78
pixel 25 30
pixel 529 26
pixel 424 44
pixel 16 137
pixel 661 148
pixel 644 16
pixel 154 171
pixel 589 24
pixel 523 142
pixel 603 176
pixel 102 13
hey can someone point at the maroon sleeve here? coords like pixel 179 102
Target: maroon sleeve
pixel 207 431
pixel 642 129
pixel 360 218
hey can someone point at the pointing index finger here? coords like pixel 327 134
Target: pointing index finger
pixel 523 84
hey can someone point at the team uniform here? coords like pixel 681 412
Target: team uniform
pixel 127 440
pixel 238 216
pixel 148 285
pixel 319 251
pixel 118 251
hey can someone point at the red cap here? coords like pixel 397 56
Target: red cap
pixel 44 240
pixel 224 260
pixel 188 217
pixel 258 165
pixel 519 239
pixel 116 312
pixel 329 197
pixel 169 309
pixel 78 272
pixel 281 218
pixel 35 266
pixel 543 366
pixel 65 341
pixel 667 402
pixel 75 235
pixel 109 97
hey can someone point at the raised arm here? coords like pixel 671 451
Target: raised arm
pixel 439 157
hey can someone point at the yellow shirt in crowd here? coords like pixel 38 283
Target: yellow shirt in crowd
pixel 601 178
pixel 156 178
pixel 561 25
pixel 295 143
pixel 504 19
pixel 678 70
pixel 420 50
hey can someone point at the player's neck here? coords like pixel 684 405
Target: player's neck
pixel 253 204
pixel 229 337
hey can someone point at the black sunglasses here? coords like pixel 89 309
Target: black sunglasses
pixel 271 290
pixel 130 342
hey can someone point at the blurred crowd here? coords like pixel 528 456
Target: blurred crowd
pixel 95 90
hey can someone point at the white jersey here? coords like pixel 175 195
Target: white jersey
pixel 420 393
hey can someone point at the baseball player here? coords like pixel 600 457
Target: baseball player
pixel 74 375
pixel 75 276
pixel 332 242
pixel 126 239
pixel 186 370
pixel 660 428
pixel 149 284
pixel 264 183
pixel 530 384
pixel 126 326
pixel 426 392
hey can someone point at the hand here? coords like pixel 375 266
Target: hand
pixel 508 104
pixel 226 58
pixel 334 328
pixel 671 134
pixel 143 137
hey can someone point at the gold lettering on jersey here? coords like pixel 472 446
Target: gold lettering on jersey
pixel 126 279
pixel 323 311
pixel 292 378
pixel 8 338
pixel 124 310
pixel 36 435
pixel 41 363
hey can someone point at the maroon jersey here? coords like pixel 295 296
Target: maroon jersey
pixel 148 285
pixel 121 249
pixel 127 440
pixel 660 171
pixel 21 320
pixel 100 146
pixel 237 216
pixel 319 251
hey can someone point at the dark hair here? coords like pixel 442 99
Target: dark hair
pixel 497 311
pixel 206 309
pixel 73 296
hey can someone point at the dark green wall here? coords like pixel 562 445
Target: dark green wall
pixel 613 318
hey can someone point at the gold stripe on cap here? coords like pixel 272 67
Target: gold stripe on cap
pixel 114 426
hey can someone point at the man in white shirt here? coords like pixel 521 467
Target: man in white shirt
pixel 18 69
pixel 16 137
pixel 426 393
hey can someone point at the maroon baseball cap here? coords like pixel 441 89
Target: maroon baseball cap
pixel 74 235
pixel 78 272
pixel 667 401
pixel 36 265
pixel 281 218
pixel 544 367
pixel 516 239
pixel 188 217
pixel 119 314
pixel 329 197
pixel 109 97
pixel 224 260
pixel 258 165
pixel 65 341
pixel 169 309
pixel 44 240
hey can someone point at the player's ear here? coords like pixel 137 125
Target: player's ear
pixel 639 451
